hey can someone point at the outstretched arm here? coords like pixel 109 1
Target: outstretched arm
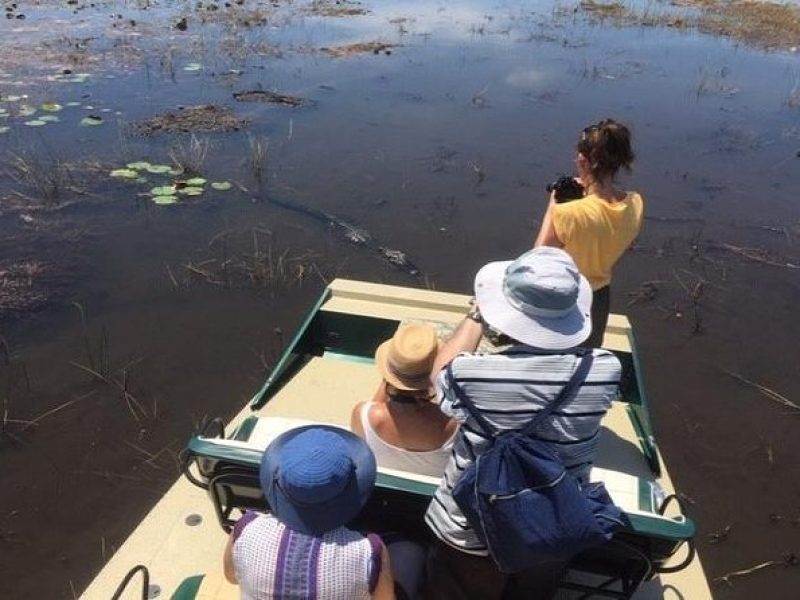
pixel 465 338
pixel 547 232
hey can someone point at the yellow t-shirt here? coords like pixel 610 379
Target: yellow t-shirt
pixel 596 233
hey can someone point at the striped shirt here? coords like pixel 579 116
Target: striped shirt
pixel 509 388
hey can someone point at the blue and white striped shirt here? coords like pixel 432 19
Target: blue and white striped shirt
pixel 509 388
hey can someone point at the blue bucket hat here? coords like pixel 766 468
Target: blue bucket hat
pixel 317 478
pixel 539 299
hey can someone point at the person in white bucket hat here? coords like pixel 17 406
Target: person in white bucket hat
pixel 542 304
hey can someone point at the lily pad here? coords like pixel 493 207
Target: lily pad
pixel 164 190
pixel 175 171
pixel 49 119
pixel 195 181
pixel 192 67
pixel 165 200
pixel 141 180
pixel 35 123
pixel 91 121
pixel 12 98
pixel 124 173
pixel 191 191
pixel 221 186
pixel 73 103
pixel 5 129
pixel 158 169
pixel 51 107
pixel 139 165
pixel 26 111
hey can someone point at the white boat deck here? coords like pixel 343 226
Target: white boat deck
pixel 325 391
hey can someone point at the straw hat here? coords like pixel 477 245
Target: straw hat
pixel 405 361
pixel 317 478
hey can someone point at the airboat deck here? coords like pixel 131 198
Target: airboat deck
pixel 324 372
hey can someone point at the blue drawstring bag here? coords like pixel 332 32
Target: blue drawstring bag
pixel 520 500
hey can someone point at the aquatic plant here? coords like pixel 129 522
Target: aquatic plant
pixel 196 181
pixel 4 129
pixel 165 200
pixel 35 123
pixel 190 156
pixel 158 169
pixel 221 186
pixel 91 121
pixel 191 191
pixel 138 166
pixel 164 190
pixel 51 107
pixel 124 173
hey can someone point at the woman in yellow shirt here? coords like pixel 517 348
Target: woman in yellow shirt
pixel 597 229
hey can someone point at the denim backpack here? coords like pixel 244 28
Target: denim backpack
pixel 519 498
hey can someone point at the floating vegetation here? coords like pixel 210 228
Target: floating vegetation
pixel 359 48
pixel 221 186
pixel 91 121
pixel 51 107
pixel 35 123
pixel 267 96
pixel 26 111
pixel 4 129
pixel 73 103
pixel 164 190
pixel 13 98
pixel 158 169
pixel 165 200
pixel 138 166
pixel 124 173
pixel 196 181
pixel 189 119
pixel 191 191
pixel 193 67
pixel 49 119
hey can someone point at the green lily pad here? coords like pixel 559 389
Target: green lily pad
pixel 49 119
pixel 51 107
pixel 124 173
pixel 5 129
pixel 192 67
pixel 191 191
pixel 141 180
pixel 221 186
pixel 35 123
pixel 26 111
pixel 175 171
pixel 158 169
pixel 73 103
pixel 91 121
pixel 164 190
pixel 195 181
pixel 165 200
pixel 12 98
pixel 138 165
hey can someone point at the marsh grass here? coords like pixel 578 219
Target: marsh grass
pixel 190 155
pixel 257 159
pixel 48 180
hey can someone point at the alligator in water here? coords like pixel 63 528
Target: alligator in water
pixel 352 233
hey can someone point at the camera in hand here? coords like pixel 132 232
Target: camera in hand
pixel 566 188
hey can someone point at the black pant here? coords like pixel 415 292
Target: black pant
pixel 456 575
pixel 601 306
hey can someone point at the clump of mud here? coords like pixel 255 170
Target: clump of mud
pixel 267 96
pixel 337 8
pixel 758 23
pixel 21 288
pixel 191 119
pixel 359 48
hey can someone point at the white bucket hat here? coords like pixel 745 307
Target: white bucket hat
pixel 540 299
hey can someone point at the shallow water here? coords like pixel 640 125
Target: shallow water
pixel 440 149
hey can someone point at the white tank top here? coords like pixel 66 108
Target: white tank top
pixel 425 462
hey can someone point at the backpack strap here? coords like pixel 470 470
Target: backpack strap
pixel 483 423
pixel 585 358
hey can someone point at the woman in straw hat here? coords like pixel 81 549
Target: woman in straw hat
pixel 401 424
pixel 316 479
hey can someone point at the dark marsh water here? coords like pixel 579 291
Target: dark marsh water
pixel 441 149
